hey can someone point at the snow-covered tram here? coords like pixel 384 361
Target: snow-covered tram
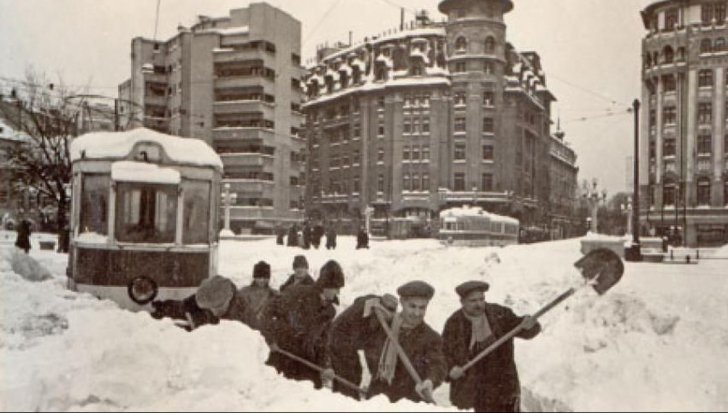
pixel 144 213
pixel 473 226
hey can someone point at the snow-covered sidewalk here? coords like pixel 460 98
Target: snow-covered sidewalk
pixel 656 341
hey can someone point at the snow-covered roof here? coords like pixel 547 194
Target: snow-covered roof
pixel 419 32
pixel 229 31
pixel 468 211
pixel 119 145
pixel 371 86
pixel 131 171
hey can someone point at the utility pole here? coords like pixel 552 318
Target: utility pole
pixel 634 252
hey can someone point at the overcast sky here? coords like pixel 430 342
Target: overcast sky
pixel 590 50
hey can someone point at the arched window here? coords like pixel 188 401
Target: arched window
pixel 706 46
pixel 704 191
pixel 668 55
pixel 461 44
pixel 489 44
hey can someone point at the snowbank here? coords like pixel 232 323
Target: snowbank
pixel 656 341
pixel 24 265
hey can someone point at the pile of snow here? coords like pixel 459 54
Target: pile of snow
pixel 655 341
pixel 721 252
pixel 24 265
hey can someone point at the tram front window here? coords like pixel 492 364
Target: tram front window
pixel 146 213
pixel 196 211
pixel 94 201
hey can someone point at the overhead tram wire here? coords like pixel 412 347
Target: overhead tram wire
pixel 318 24
pixel 589 91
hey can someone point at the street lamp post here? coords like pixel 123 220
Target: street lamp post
pixel 594 198
pixel 228 199
pixel 634 252
pixel 627 207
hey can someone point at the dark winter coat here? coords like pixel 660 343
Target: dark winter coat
pixel 292 237
pixel 316 235
pixel 298 321
pixel 347 332
pixel 254 300
pixel 188 310
pixel 492 382
pixel 424 348
pixel 362 240
pixel 307 235
pixel 331 238
pixel 307 280
pixel 23 239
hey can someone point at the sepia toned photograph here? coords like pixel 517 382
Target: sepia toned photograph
pixel 364 205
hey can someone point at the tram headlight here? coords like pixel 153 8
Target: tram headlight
pixel 142 290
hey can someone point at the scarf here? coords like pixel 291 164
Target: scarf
pixel 481 330
pixel 388 358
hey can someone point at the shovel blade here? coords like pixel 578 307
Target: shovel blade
pixel 602 268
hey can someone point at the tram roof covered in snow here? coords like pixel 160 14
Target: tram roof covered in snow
pixel 468 211
pixel 118 145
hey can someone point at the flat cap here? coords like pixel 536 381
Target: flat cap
pixel 469 286
pixel 214 292
pixel 416 289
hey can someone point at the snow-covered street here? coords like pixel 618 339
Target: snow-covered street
pixel 656 341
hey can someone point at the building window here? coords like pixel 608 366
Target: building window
pixel 703 191
pixel 461 44
pixel 380 183
pixel 426 125
pixel 488 99
pixel 426 152
pixel 668 54
pixel 653 118
pixel 652 151
pixel 416 125
pixel 356 131
pixel 680 54
pixel 407 126
pixel 459 184
pixel 706 46
pixel 668 83
pixel 459 153
pixel 459 124
pixel 705 113
pixel 406 182
pixel 488 125
pixel 486 182
pixel 668 147
pixel 460 67
pixel 380 102
pixel 705 78
pixel 668 193
pixel 669 116
pixel 406 153
pixel 487 152
pixel 425 182
pixel 380 128
pixel 488 68
pixel 705 144
pixel 380 155
pixel 725 192
pixel 459 98
pixel 671 18
pixel 720 12
pixel 415 182
pixel 651 192
pixel 490 45
pixel 706 13
pixel 415 153
pixel 719 45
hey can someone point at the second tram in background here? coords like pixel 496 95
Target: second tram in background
pixel 473 226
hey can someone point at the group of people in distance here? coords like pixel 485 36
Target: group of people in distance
pixel 310 235
pixel 309 341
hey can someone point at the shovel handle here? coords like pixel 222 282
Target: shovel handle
pixel 518 328
pixel 402 355
pixel 320 369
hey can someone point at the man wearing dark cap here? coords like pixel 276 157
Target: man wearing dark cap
pixel 256 296
pixel 300 274
pixel 298 322
pixel 214 300
pixel 419 341
pixel 348 331
pixel 492 384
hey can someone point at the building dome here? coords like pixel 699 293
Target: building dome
pixel 446 5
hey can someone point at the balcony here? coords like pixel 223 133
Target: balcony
pixel 241 55
pixel 155 100
pixel 245 106
pixel 250 188
pixel 247 135
pixel 154 77
pixel 245 81
pixel 248 159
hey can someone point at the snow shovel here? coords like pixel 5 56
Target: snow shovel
pixel 601 268
pixel 320 369
pixel 402 355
